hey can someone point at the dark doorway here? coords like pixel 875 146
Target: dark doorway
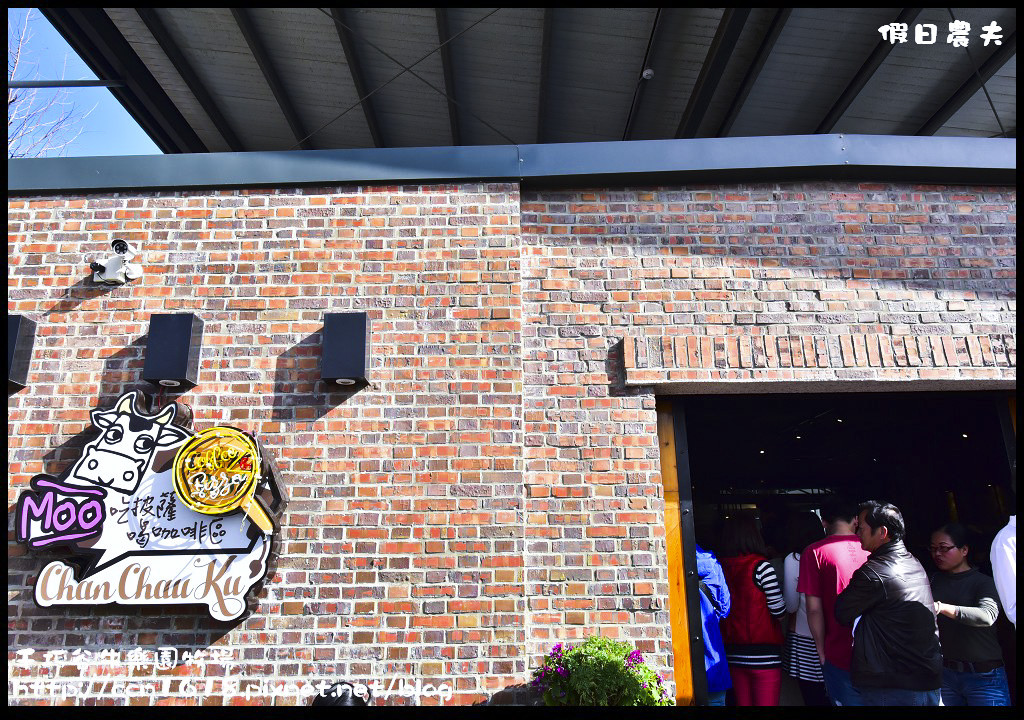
pixel 934 455
pixel 937 456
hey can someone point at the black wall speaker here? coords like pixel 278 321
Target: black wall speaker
pixel 21 336
pixel 345 353
pixel 172 350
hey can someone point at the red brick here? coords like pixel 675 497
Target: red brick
pixel 495 427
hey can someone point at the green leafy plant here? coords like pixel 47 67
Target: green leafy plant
pixel 600 671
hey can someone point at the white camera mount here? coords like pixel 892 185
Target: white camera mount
pixel 117 269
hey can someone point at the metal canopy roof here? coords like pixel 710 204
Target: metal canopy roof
pixel 257 79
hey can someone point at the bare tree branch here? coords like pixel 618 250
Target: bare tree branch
pixel 40 122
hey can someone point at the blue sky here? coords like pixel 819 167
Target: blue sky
pixel 108 129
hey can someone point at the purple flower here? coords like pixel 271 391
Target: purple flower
pixel 633 659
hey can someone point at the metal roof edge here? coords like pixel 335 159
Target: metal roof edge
pixel 946 160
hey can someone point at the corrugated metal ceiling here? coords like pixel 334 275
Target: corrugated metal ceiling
pixel 266 78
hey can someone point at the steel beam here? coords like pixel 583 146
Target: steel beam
pixel 270 73
pixel 642 82
pixel 102 47
pixel 173 52
pixel 863 75
pixel 355 68
pixel 972 85
pixel 764 51
pixel 722 46
pixel 443 35
pixel 545 72
pixel 950 160
pixel 30 84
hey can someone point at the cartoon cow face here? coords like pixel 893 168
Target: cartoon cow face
pixel 120 457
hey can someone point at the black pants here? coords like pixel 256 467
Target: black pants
pixel 814 693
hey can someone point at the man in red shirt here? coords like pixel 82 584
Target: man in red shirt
pixel 826 567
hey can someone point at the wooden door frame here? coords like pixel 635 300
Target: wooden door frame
pixel 687 637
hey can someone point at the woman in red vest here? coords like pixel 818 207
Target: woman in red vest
pixel 752 635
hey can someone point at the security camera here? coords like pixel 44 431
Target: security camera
pixel 123 247
pixel 117 269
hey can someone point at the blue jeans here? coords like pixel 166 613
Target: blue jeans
pixel 839 686
pixel 966 688
pixel 716 699
pixel 899 696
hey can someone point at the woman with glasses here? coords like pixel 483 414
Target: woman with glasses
pixel 967 607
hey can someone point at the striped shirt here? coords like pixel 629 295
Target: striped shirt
pixel 799 654
pixel 800 659
pixel 767 582
pixel 762 655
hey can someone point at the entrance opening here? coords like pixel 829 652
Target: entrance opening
pixel 939 457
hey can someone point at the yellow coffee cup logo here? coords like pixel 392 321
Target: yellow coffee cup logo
pixel 217 471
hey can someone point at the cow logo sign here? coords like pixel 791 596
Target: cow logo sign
pixel 138 536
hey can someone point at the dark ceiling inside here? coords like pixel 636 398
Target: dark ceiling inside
pixel 869 441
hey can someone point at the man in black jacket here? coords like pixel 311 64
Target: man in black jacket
pixel 896 655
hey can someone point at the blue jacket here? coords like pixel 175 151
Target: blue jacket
pixel 710 573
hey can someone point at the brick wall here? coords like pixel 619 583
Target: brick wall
pixel 402 550
pixel 814 283
pixel 498 487
pixel 629 293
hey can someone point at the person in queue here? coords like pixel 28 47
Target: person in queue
pixel 896 655
pixel 714 607
pixel 752 635
pixel 800 655
pixel 967 608
pixel 826 567
pixel 1003 556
